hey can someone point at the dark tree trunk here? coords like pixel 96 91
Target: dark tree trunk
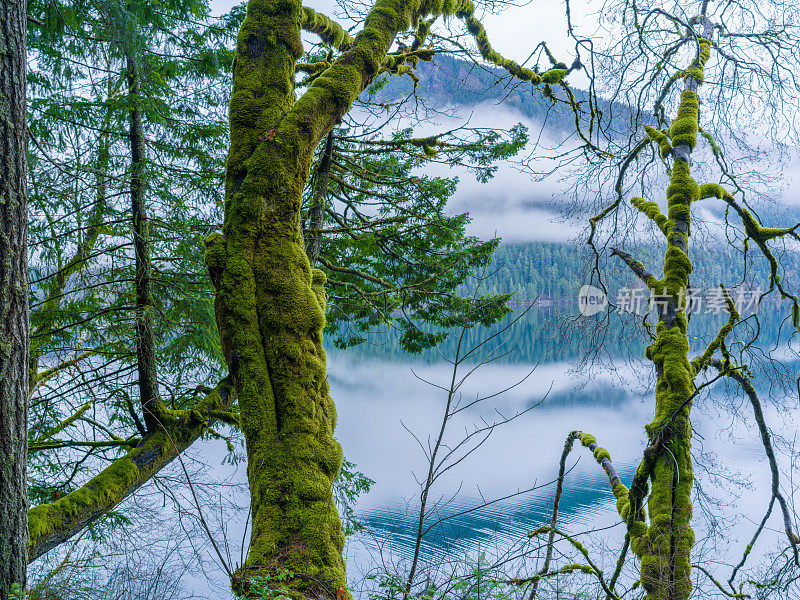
pixel 319 197
pixel 14 333
pixel 145 341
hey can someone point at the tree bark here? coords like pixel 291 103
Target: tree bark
pixel 665 548
pixel 270 313
pixel 270 303
pixel 14 308
pixel 319 199
pixel 145 341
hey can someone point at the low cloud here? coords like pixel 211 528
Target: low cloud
pixel 511 205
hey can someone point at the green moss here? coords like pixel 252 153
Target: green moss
pixel 578 567
pixel 554 76
pixel 695 70
pixel 665 547
pixel 467 13
pixel 326 28
pixel 601 453
pixel 683 130
pixel 215 255
pixel 661 138
pixel 539 531
pixel 108 487
pixel 756 231
pixel 637 529
pixel 270 305
pixel 652 211
pixel 49 524
pixel 64 424
pixel 703 360
pixel 713 190
pixel 712 142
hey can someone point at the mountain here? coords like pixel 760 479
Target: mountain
pixel 452 81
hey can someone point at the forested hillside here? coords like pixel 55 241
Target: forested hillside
pixel 544 279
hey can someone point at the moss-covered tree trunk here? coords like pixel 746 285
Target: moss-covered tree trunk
pixel 665 548
pixel 664 543
pixel 666 563
pixel 14 326
pixel 270 311
pixel 270 303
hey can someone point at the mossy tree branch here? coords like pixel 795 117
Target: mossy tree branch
pixel 705 359
pixel 545 570
pixel 668 462
pixel 742 377
pixel 634 519
pixel 652 211
pixel 52 524
pixel 326 28
pixel 592 566
pixel 665 543
pixel 760 235
pixel 637 267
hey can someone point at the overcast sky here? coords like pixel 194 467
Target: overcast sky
pixel 513 33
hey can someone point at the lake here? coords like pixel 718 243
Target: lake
pixel 390 413
pixel 382 403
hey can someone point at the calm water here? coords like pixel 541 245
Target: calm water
pixel 388 414
pixel 380 403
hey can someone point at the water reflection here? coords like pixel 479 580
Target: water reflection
pixel 381 404
pixel 389 416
